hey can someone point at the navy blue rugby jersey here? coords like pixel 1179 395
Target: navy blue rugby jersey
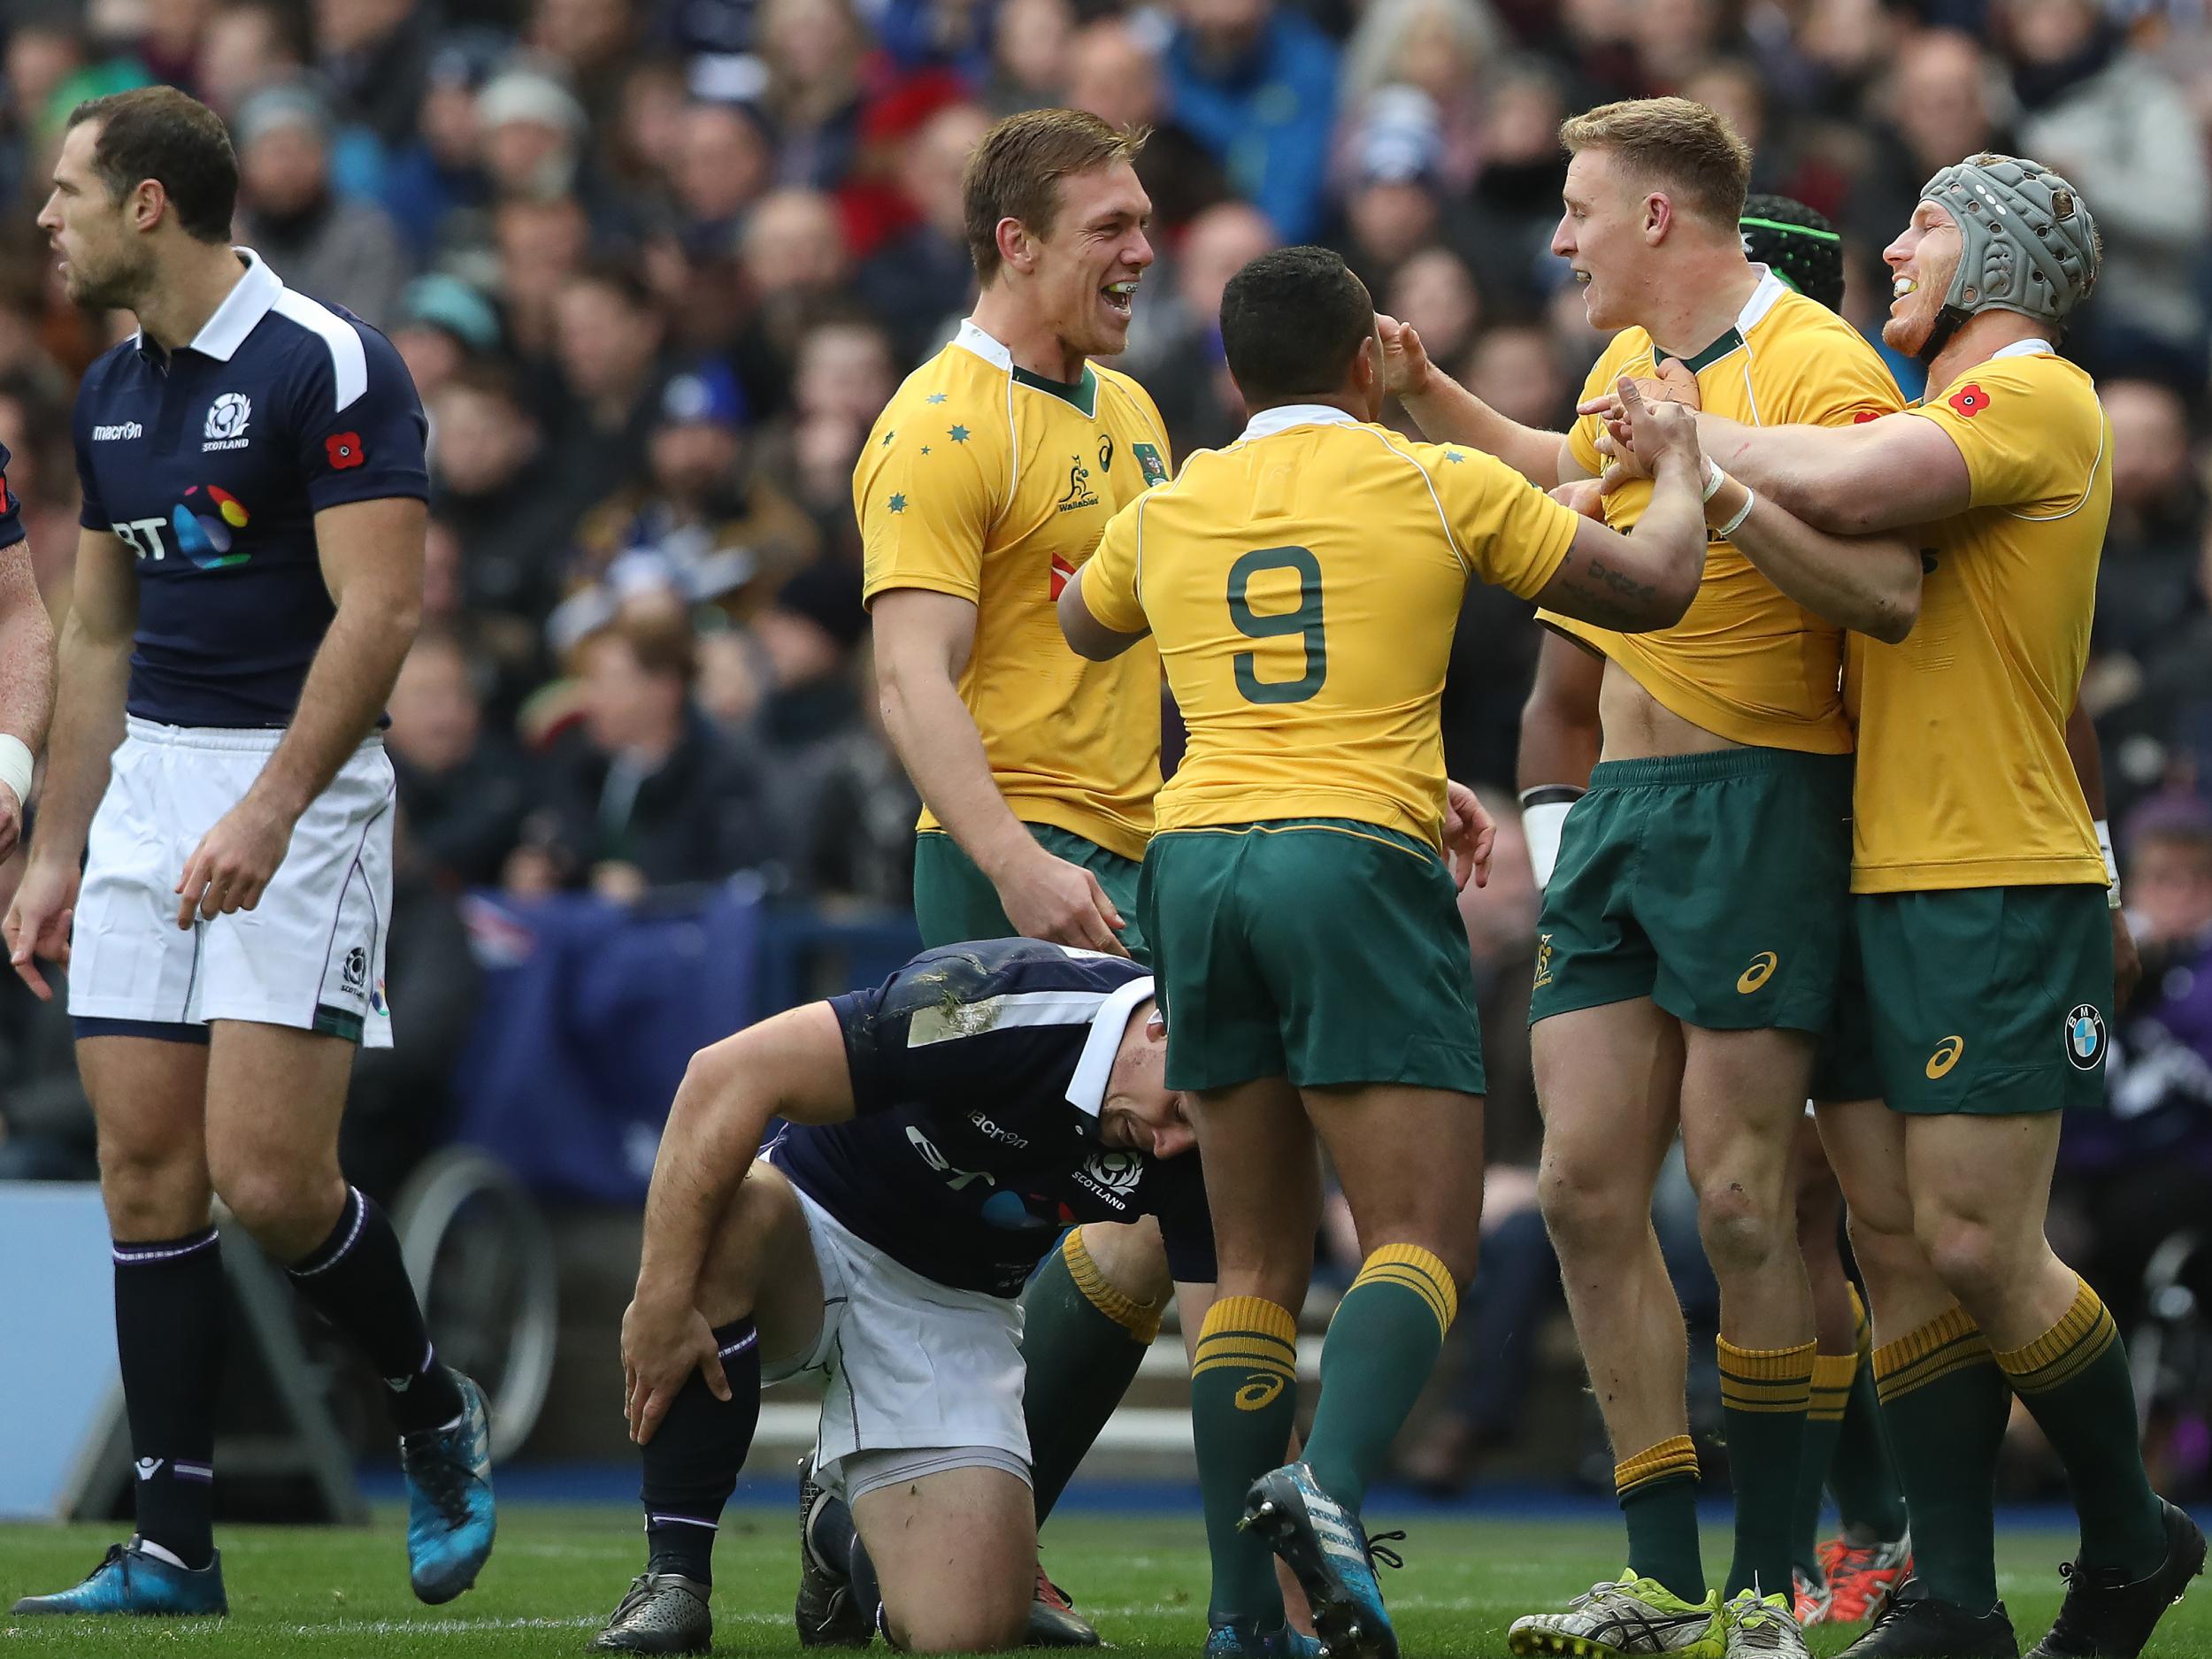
pixel 977 1073
pixel 210 464
pixel 10 510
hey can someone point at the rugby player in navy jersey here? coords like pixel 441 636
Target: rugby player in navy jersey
pixel 248 577
pixel 882 1241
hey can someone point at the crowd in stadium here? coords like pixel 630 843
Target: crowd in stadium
pixel 656 266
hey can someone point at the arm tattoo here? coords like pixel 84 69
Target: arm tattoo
pixel 1611 598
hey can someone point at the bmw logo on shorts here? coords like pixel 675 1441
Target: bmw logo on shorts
pixel 2085 1038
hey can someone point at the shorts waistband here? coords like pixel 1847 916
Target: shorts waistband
pixel 1717 766
pixel 1356 828
pixel 237 739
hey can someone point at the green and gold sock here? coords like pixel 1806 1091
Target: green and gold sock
pixel 2074 1381
pixel 1945 1403
pixel 1082 1341
pixel 1764 1395
pixel 1657 1488
pixel 1243 1404
pixel 1832 1375
pixel 1382 1345
pixel 1863 1470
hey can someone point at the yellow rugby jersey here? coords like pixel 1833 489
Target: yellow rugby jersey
pixel 1963 779
pixel 1303 586
pixel 1746 662
pixel 987 481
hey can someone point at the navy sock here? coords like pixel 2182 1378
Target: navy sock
pixel 835 1541
pixel 172 1321
pixel 693 1460
pixel 357 1280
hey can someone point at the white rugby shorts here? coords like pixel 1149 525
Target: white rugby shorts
pixel 910 1363
pixel 310 954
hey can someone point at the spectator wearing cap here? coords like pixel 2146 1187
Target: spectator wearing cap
pixel 441 324
pixel 646 792
pixel 328 246
pixel 372 55
pixel 535 131
pixel 726 535
pixel 919 281
pixel 438 169
pixel 1114 73
pixel 1443 47
pixel 1257 83
pixel 1394 206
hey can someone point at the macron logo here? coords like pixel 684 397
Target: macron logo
pixel 120 429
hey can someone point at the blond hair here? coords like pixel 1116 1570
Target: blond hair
pixel 1016 168
pixel 1687 150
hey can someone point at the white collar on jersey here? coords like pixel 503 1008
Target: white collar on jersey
pixel 992 352
pixel 251 299
pixel 1268 422
pixel 1087 1089
pixel 2025 348
pixel 1771 288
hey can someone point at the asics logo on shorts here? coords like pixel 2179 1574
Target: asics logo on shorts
pixel 1946 1057
pixel 1259 1391
pixel 1759 972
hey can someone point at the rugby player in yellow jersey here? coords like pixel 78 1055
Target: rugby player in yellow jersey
pixel 986 483
pixel 1303 586
pixel 1691 930
pixel 1980 907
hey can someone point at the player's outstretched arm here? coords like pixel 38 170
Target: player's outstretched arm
pixel 1885 474
pixel 923 639
pixel 1560 741
pixel 793 1066
pixel 1447 412
pixel 94 672
pixel 1086 634
pixel 1647 578
pixel 1869 584
pixel 2085 750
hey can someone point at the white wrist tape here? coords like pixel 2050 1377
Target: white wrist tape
pixel 1722 532
pixel 1541 822
pixel 15 767
pixel 1714 478
pixel 2111 861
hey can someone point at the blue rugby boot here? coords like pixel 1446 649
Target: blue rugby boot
pixel 1241 1641
pixel 449 1515
pixel 130 1581
pixel 1321 1542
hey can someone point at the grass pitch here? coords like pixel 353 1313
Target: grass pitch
pixel 559 1570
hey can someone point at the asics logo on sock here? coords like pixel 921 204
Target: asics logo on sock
pixel 1259 1391
pixel 148 1468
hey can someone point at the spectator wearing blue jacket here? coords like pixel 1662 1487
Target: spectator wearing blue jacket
pixel 1256 83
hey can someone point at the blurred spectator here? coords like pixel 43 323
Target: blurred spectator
pixel 812 48
pixel 1394 204
pixel 607 380
pixel 320 242
pixel 463 792
pixel 493 484
pixel 246 46
pixel 1516 370
pixel 795 266
pixel 541 245
pixel 1257 83
pixel 1433 291
pixel 535 131
pixel 844 377
pixel 1936 108
pixel 921 281
pixel 1117 77
pixel 648 792
pixel 721 164
pixel 1441 48
pixel 438 169
pixel 723 532
pixel 1506 235
pixel 587 41
pixel 441 324
pixel 2148 577
pixel 400 1104
pixel 373 55
pixel 2119 129
pixel 1178 356
pixel 1031 52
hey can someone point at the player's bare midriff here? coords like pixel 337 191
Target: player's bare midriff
pixel 1637 726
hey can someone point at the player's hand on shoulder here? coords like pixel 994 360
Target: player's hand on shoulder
pixel 1468 834
pixel 664 1340
pixel 231 867
pixel 1051 899
pixel 1405 363
pixel 37 925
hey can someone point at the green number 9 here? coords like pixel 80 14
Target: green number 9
pixel 1305 620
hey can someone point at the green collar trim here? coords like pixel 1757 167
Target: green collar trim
pixel 1733 341
pixel 1081 395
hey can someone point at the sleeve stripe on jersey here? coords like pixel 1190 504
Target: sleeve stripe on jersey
pixel 1013 453
pixel 1451 536
pixel 349 360
pixel 941 1024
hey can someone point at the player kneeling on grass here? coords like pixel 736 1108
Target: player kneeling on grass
pixel 882 1241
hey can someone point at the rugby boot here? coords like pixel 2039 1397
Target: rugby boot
pixel 130 1581
pixel 2103 1618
